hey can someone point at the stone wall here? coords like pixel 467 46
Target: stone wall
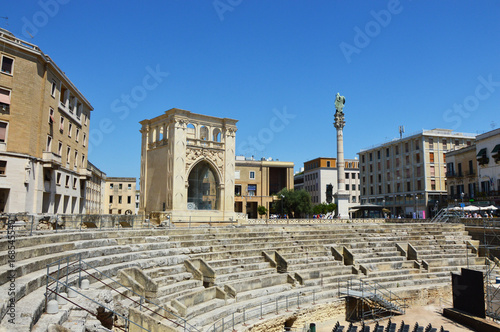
pixel 318 313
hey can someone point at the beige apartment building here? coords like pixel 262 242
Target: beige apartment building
pixel 461 173
pixel 44 126
pixel 321 172
pixel 258 181
pixel 120 195
pixel 96 185
pixel 408 175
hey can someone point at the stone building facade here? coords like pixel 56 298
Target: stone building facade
pixel 461 173
pixel 488 158
pixel 120 195
pixel 188 165
pixel 257 182
pixel 408 175
pixel 44 127
pixel 96 185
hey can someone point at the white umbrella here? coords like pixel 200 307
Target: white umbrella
pixel 471 208
pixel 491 207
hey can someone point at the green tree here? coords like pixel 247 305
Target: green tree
pixel 296 204
pixel 324 208
pixel 261 210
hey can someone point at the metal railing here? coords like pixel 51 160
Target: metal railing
pixel 388 301
pixel 70 272
pixel 245 315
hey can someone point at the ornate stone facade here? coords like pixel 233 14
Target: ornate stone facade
pixel 187 165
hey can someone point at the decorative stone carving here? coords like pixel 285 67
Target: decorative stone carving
pixel 216 156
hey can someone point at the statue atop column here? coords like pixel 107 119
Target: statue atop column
pixel 342 196
pixel 339 102
pixel 339 114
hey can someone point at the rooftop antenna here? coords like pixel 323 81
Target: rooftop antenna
pixel 401 131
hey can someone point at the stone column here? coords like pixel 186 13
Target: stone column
pixel 341 197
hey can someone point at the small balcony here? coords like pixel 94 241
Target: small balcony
pixel 51 160
pixel 84 173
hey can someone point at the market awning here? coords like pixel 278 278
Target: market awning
pixel 482 153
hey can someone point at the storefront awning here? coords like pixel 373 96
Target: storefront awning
pixel 496 149
pixel 482 153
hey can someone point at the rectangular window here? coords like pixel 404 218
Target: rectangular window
pixel 51 116
pixel 397 149
pixel 3 167
pixel 406 147
pixel 53 88
pixel 49 143
pixel 75 181
pixel 387 152
pixel 252 175
pixel 4 100
pixel 68 155
pixel 419 185
pixel 70 129
pixel 347 175
pixel 110 199
pixel 83 161
pixel 417 157
pixel 58 178
pixel 346 187
pixel 3 132
pixel 110 186
pixel 408 186
pixel 431 157
pixel 433 184
pixel 76 159
pixel 119 200
pixel 444 144
pixel 378 154
pixel 417 145
pixel 431 144
pixel 418 171
pixel 237 175
pixel 120 186
pixel 252 189
pixel 129 199
pixel 77 134
pixel 84 139
pixel 432 171
pixel 7 65
pixel 61 126
pixel 328 164
pixel 129 186
pixel 471 168
pixel 67 181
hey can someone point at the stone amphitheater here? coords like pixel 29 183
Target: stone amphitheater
pixel 231 278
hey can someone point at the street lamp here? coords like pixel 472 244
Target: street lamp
pixel 282 196
pixel 462 195
pixel 416 196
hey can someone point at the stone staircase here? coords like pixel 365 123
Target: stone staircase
pixel 243 266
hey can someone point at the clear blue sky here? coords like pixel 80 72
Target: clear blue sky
pixel 273 65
